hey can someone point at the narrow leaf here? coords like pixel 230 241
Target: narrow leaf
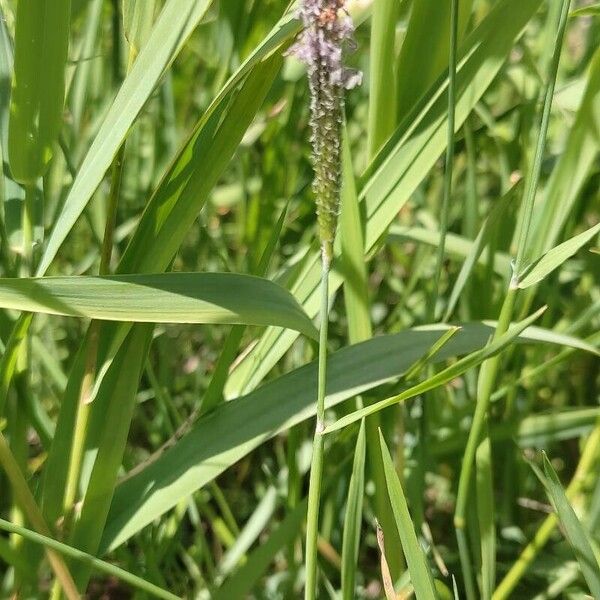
pixel 353 518
pixel 420 574
pixel 572 527
pixel 554 258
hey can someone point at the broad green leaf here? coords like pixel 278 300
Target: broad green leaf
pixel 227 434
pixel 353 518
pixel 175 23
pixel 38 91
pixel 441 378
pixel 163 298
pixel 420 575
pixel 554 258
pixel 572 527
pixel 401 166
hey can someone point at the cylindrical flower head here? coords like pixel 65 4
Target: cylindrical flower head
pixel 320 47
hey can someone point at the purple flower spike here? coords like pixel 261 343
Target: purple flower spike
pixel 327 27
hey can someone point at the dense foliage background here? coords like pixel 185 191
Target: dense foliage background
pixel 180 451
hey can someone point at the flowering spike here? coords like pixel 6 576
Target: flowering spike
pixel 320 47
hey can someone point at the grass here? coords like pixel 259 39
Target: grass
pixel 160 281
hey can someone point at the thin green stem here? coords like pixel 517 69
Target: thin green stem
pixel 489 369
pixel 536 170
pixel 316 471
pixel 487 378
pixel 449 158
pixel 88 559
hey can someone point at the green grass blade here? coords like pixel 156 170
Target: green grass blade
pixel 477 247
pixel 586 11
pixel 574 165
pixel 441 378
pixel 353 266
pixel 231 431
pixel 240 584
pixel 222 133
pixel 137 23
pixel 382 81
pixel 420 575
pixel 115 412
pixel 164 298
pixel 10 356
pixel 352 260
pixel 457 246
pixel 425 49
pixel 36 113
pixel 572 527
pixel 353 518
pixel 259 519
pixel 96 563
pixel 555 257
pixel 176 21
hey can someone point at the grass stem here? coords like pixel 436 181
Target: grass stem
pixel 316 470
pixel 52 545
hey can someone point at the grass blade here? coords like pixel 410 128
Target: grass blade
pixel 420 575
pixel 231 431
pixel 554 258
pixel 41 48
pixel 176 21
pixel 100 565
pixel 353 518
pixel 574 531
pixel 163 298
pixel 441 378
